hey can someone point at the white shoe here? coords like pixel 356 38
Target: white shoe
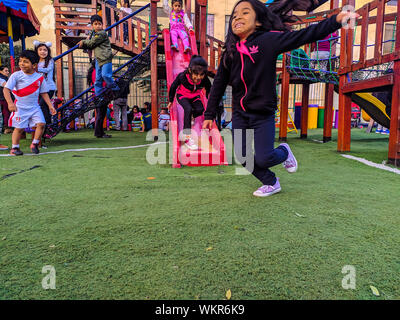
pixel 191 144
pixel 290 164
pixel 267 190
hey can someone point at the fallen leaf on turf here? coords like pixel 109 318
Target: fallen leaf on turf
pixel 375 291
pixel 209 248
pixel 4 238
pixel 151 178
pixel 228 294
pixel 52 246
pixel 299 215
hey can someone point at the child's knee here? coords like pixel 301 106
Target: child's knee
pixel 265 160
pixel 40 125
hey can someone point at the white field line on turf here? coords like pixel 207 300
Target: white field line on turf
pixel 372 164
pixel 86 149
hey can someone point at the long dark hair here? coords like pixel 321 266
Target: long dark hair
pixel 198 64
pixel 48 58
pixel 276 19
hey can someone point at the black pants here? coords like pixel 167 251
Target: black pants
pixel 45 108
pixel 192 107
pixel 264 156
pixel 100 116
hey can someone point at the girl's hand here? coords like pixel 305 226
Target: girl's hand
pixel 12 107
pixel 207 124
pixel 169 105
pixel 344 16
pixel 53 111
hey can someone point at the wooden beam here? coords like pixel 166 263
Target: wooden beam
pixel 344 126
pixel 394 136
pixel 59 69
pixel 364 34
pixel 379 32
pixel 203 28
pixel 197 20
pixel 284 102
pixel 328 112
pixel 370 84
pixel 304 111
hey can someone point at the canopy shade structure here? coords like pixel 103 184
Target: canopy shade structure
pixel 23 19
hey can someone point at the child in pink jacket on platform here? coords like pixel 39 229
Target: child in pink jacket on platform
pixel 178 19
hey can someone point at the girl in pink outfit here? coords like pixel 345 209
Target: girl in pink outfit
pixel 178 19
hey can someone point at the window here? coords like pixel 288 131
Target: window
pixel 210 25
pixel 388 38
pixel 392 3
pixel 227 18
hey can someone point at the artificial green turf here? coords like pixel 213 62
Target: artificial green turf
pixel 111 233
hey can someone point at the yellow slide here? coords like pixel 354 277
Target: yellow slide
pixel 375 108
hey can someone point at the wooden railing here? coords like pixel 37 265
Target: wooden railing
pixel 213 53
pixel 379 21
pixel 137 36
pixel 73 20
pixel 77 15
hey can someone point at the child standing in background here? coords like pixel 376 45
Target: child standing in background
pixel 46 68
pixel 178 19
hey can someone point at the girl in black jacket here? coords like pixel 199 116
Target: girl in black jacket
pixel 187 87
pixel 256 36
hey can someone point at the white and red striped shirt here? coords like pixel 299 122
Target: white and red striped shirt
pixel 26 89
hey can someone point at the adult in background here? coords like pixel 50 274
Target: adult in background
pixel 120 105
pixel 4 74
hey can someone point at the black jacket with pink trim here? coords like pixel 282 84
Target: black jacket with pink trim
pixel 252 71
pixel 183 85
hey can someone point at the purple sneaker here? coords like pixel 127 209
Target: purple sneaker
pixel 291 163
pixel 267 190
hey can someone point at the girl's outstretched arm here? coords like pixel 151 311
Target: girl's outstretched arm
pixel 288 41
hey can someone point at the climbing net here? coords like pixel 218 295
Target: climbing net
pixel 323 65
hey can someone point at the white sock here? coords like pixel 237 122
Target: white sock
pixel 15 146
pixel 35 141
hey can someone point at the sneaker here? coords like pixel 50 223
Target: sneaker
pixel 291 163
pixel 386 131
pixel 105 136
pixel 191 144
pixel 267 190
pixel 35 148
pixel 378 131
pixel 3 147
pixel 16 152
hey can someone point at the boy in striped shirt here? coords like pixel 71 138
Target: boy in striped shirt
pixel 27 85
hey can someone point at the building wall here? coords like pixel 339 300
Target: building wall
pixel 44 10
